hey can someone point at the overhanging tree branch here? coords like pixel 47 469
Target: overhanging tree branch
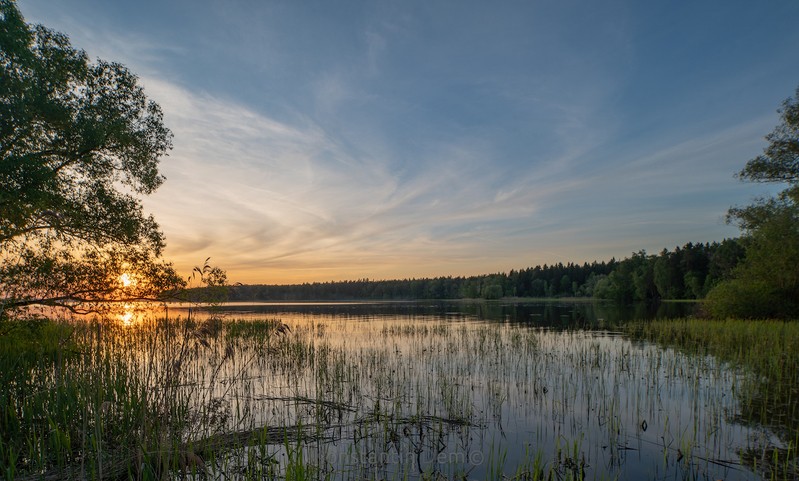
pixel 70 132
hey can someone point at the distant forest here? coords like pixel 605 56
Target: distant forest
pixel 687 272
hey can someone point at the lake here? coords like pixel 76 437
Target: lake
pixel 470 390
pixel 562 314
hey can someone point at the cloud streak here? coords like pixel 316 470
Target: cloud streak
pixel 262 196
pixel 257 194
pixel 372 140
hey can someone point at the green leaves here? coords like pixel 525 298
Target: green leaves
pixel 780 160
pixel 766 283
pixel 68 125
pixel 79 143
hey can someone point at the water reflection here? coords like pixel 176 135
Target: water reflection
pixel 131 313
pixel 127 314
pixel 552 314
pixel 473 390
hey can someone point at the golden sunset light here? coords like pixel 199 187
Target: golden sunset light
pixel 435 148
pixel 127 316
pixel 414 240
pixel 127 280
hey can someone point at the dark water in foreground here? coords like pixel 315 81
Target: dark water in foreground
pixel 493 390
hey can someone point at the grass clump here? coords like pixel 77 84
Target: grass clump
pixel 100 400
pixel 333 397
pixel 768 347
pixel 769 397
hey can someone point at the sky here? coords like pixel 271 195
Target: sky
pixel 319 141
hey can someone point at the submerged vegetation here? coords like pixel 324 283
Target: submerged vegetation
pixel 100 400
pixel 317 396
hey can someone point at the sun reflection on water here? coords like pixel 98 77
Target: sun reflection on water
pixel 127 315
pixel 135 313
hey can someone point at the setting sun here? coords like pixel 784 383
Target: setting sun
pixel 126 280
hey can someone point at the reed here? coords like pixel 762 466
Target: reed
pixel 325 397
pixel 768 352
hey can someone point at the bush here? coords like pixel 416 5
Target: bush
pixel 748 299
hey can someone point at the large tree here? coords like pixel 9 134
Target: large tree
pixel 766 283
pixel 80 144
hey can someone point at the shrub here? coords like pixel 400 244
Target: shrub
pixel 747 299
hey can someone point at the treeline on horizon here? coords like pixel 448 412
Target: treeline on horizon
pixel 687 272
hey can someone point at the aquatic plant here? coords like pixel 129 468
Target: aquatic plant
pixel 323 396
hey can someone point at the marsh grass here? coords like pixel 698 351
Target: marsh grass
pixel 392 397
pixel 99 400
pixel 769 397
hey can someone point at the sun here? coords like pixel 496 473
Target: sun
pixel 126 280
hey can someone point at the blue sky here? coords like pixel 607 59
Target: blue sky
pixel 343 140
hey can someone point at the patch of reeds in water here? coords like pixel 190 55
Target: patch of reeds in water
pixel 767 350
pixel 323 397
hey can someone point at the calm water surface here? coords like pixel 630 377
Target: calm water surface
pixel 462 390
pixel 556 314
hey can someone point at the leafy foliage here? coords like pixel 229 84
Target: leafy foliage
pixel 766 284
pixel 780 159
pixel 751 298
pixel 79 143
pixel 214 287
pixel 684 273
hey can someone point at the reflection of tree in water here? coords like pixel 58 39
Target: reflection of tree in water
pixel 767 353
pixel 771 402
pixel 553 314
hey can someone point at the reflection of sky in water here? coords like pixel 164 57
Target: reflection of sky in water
pixel 590 400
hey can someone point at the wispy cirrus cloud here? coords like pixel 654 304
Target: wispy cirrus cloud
pixel 398 140
pixel 256 193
